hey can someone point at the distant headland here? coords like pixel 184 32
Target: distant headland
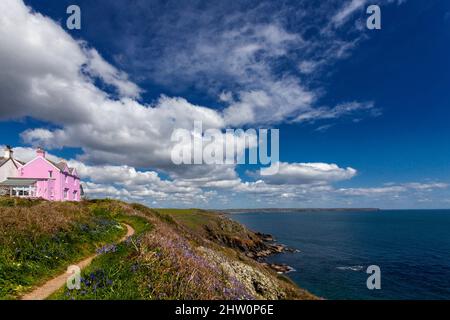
pixel 290 210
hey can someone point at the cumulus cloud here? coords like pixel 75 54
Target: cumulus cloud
pixel 301 184
pixel 275 102
pixel 96 66
pixel 40 77
pixel 52 81
pixel 26 154
pixel 191 185
pixel 237 54
pixel 126 143
pixel 309 173
pixel 126 132
pixel 55 81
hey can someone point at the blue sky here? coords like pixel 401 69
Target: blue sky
pixel 344 97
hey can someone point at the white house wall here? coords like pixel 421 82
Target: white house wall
pixel 7 170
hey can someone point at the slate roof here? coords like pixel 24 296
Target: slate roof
pixel 18 182
pixel 3 160
pixel 61 165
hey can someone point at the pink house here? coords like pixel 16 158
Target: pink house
pixel 43 178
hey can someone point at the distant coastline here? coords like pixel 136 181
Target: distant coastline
pixel 290 210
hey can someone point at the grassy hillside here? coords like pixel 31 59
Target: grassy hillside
pixel 39 239
pixel 174 254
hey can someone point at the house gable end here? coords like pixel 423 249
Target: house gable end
pixel 66 169
pixel 43 160
pixel 8 169
pixel 74 172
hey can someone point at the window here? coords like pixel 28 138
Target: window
pixel 67 178
pixel 66 191
pixel 50 174
pixel 75 195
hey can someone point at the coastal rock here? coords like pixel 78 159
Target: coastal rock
pixel 255 245
pixel 281 268
pixel 265 237
pixel 277 248
pixel 256 282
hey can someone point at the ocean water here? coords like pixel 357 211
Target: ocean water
pixel 412 249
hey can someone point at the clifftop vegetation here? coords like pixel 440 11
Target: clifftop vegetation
pixel 174 254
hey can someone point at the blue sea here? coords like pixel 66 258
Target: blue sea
pixel 411 247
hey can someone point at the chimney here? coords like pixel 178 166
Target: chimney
pixel 8 152
pixel 40 152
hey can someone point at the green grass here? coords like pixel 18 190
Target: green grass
pixel 113 275
pixel 18 202
pixel 153 265
pixel 110 276
pixel 139 224
pixel 194 219
pixel 32 252
pixel 31 260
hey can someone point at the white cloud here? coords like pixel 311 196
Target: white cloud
pixel 308 66
pixel 426 186
pixel 347 10
pixel 53 81
pixel 393 189
pixel 383 191
pixel 49 76
pixel 276 102
pixel 98 67
pixel 341 110
pixel 298 184
pixel 27 154
pixel 309 173
pixel 237 58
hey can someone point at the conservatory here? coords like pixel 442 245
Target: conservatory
pixel 19 187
